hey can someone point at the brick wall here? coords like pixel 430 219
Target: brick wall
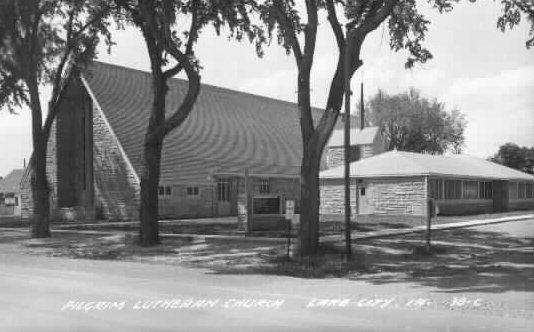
pixel 116 186
pixel 181 205
pixel 521 204
pixel 459 207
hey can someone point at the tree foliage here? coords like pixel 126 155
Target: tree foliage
pixel 295 29
pixel 410 122
pixel 39 39
pixel 513 156
pixel 171 50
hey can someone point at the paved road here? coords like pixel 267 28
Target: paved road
pixel 59 294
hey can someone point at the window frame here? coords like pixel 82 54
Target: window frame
pixel 165 191
pixel 192 191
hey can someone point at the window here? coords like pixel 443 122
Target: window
pixel 453 189
pixel 436 189
pixel 264 186
pixel 362 191
pixel 223 190
pixel 164 191
pixel 529 189
pixel 193 191
pixel 513 190
pixel 16 201
pixel 522 190
pixel 485 190
pixel 470 189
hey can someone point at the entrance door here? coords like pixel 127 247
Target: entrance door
pixel 224 196
pixel 363 202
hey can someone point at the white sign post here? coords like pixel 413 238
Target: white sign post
pixel 290 209
pixel 290 212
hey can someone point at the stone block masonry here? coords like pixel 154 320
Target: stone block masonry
pixel 117 190
pixel 396 196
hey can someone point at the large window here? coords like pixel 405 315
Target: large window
pixel 436 189
pixel 223 190
pixel 485 190
pixel 453 189
pixel 470 190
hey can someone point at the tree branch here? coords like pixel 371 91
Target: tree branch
pixel 336 26
pixel 192 38
pixel 373 21
pixel 285 23
pixel 193 90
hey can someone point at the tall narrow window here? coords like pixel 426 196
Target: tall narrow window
pixel 529 189
pixel 223 190
pixel 470 189
pixel 485 190
pixel 453 189
pixel 264 187
pixel 436 189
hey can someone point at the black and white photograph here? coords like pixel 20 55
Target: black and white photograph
pixel 267 165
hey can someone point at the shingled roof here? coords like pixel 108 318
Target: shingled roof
pixel 226 132
pixel 358 136
pixel 400 163
pixel 11 183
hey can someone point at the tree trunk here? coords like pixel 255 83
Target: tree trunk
pixel 40 222
pixel 149 232
pixel 309 204
pixel 40 225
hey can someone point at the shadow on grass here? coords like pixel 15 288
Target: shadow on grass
pixel 466 259
pixel 463 259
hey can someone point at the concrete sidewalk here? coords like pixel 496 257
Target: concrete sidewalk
pixel 324 239
pixel 330 238
pixel 422 228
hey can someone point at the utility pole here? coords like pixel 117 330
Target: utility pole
pixel 347 145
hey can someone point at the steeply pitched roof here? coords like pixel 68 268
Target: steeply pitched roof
pixel 357 137
pixel 11 183
pixel 226 132
pixel 399 163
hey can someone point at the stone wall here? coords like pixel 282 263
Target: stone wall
pixel 26 197
pixel 395 196
pixel 335 156
pixel 332 206
pixel 117 189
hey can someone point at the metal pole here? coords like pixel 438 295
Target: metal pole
pixel 347 147
pixel 362 109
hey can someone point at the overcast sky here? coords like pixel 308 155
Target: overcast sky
pixel 484 73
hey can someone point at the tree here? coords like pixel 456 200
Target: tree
pixel 413 123
pixel 407 29
pixel 39 41
pixel 513 156
pixel 171 50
